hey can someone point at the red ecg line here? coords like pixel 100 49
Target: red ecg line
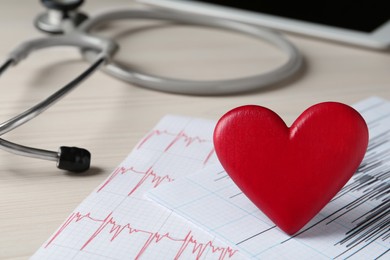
pixel 149 175
pixel 115 229
pixel 181 136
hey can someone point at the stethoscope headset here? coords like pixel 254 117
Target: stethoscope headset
pixel 73 28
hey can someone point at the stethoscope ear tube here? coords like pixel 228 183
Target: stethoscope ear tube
pixel 68 158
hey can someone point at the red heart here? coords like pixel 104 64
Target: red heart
pixel 291 173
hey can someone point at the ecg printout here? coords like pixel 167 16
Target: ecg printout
pixel 116 222
pixel 354 225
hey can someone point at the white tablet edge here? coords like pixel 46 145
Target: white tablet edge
pixel 379 39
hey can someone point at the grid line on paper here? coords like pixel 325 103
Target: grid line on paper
pixel 212 192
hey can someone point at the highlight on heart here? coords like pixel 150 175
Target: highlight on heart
pixel 291 173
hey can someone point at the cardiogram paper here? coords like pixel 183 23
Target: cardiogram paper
pixel 354 225
pixel 116 222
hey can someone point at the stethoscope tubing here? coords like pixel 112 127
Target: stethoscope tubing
pixel 74 38
pixel 36 110
pixel 105 49
pixel 214 87
pixel 99 52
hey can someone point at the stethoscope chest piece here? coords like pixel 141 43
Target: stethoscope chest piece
pixel 51 20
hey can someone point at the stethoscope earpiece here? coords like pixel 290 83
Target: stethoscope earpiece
pixel 73 159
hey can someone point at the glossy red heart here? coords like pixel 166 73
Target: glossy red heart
pixel 291 173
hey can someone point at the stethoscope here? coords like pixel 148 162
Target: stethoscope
pixel 63 17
